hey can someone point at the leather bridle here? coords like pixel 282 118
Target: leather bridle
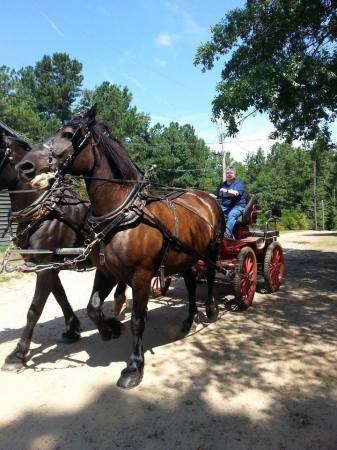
pixel 79 140
pixel 7 156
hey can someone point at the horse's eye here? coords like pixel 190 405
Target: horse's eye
pixel 67 135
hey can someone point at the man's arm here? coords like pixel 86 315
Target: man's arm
pixel 239 189
pixel 229 192
pixel 216 193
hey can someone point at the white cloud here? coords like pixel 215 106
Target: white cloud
pixel 190 25
pixel 160 62
pixel 166 39
pixel 53 25
pixel 136 82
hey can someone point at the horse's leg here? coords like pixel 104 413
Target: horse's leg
pixel 119 298
pixel 132 375
pixel 73 332
pixel 44 283
pixel 108 328
pixel 212 309
pixel 191 285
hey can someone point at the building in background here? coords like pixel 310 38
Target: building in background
pixel 5 203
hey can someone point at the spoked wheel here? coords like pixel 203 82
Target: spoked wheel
pixel 157 289
pixel 245 278
pixel 273 267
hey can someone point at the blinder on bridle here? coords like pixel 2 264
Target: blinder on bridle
pixel 78 142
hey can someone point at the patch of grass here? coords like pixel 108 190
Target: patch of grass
pixel 328 242
pixel 3 247
pixel 5 277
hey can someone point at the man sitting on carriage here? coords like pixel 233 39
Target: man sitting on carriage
pixel 233 201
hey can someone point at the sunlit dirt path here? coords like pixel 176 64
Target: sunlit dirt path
pixel 261 379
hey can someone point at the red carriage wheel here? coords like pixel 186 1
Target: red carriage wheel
pixel 245 278
pixel 157 289
pixel 273 267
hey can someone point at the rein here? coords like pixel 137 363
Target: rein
pixel 132 208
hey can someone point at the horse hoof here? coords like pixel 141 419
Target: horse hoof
pixel 13 364
pixel 130 378
pixel 212 314
pixel 112 329
pixel 70 336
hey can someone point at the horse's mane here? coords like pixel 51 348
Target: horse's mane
pixel 117 155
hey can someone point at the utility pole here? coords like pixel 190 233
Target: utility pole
pixel 323 225
pixel 315 198
pixel 220 124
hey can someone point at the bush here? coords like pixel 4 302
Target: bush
pixel 293 220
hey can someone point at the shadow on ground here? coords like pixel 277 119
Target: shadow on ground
pixel 283 333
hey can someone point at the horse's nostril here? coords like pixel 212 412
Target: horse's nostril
pixel 26 168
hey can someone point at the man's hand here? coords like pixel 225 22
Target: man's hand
pixel 232 192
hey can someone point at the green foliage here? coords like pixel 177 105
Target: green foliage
pixel 54 83
pixel 182 158
pixel 281 58
pixel 293 220
pixel 281 179
pixel 114 107
pixel 284 179
pixel 36 100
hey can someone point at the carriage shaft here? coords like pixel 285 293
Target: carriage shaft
pixel 57 251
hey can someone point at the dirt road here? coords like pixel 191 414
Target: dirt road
pixel 262 379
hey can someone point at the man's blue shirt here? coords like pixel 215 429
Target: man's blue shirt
pixel 228 202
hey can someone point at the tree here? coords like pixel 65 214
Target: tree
pixel 282 179
pixel 323 155
pixel 17 108
pixel 55 83
pixel 182 158
pixel 282 61
pixel 114 107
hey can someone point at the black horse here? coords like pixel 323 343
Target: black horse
pixel 64 227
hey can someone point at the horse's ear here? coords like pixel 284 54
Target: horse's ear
pixel 90 115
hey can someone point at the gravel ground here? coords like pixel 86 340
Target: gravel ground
pixel 261 379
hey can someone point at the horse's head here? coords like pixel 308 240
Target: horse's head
pixel 12 150
pixel 67 151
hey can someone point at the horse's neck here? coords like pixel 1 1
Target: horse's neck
pixel 105 196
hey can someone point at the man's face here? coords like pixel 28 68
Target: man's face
pixel 230 175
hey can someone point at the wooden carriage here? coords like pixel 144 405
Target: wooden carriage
pixel 253 252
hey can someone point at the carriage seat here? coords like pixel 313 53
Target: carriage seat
pixel 248 215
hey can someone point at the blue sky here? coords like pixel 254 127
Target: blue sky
pixel 147 45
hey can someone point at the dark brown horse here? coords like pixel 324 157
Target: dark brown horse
pixel 139 233
pixel 50 232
